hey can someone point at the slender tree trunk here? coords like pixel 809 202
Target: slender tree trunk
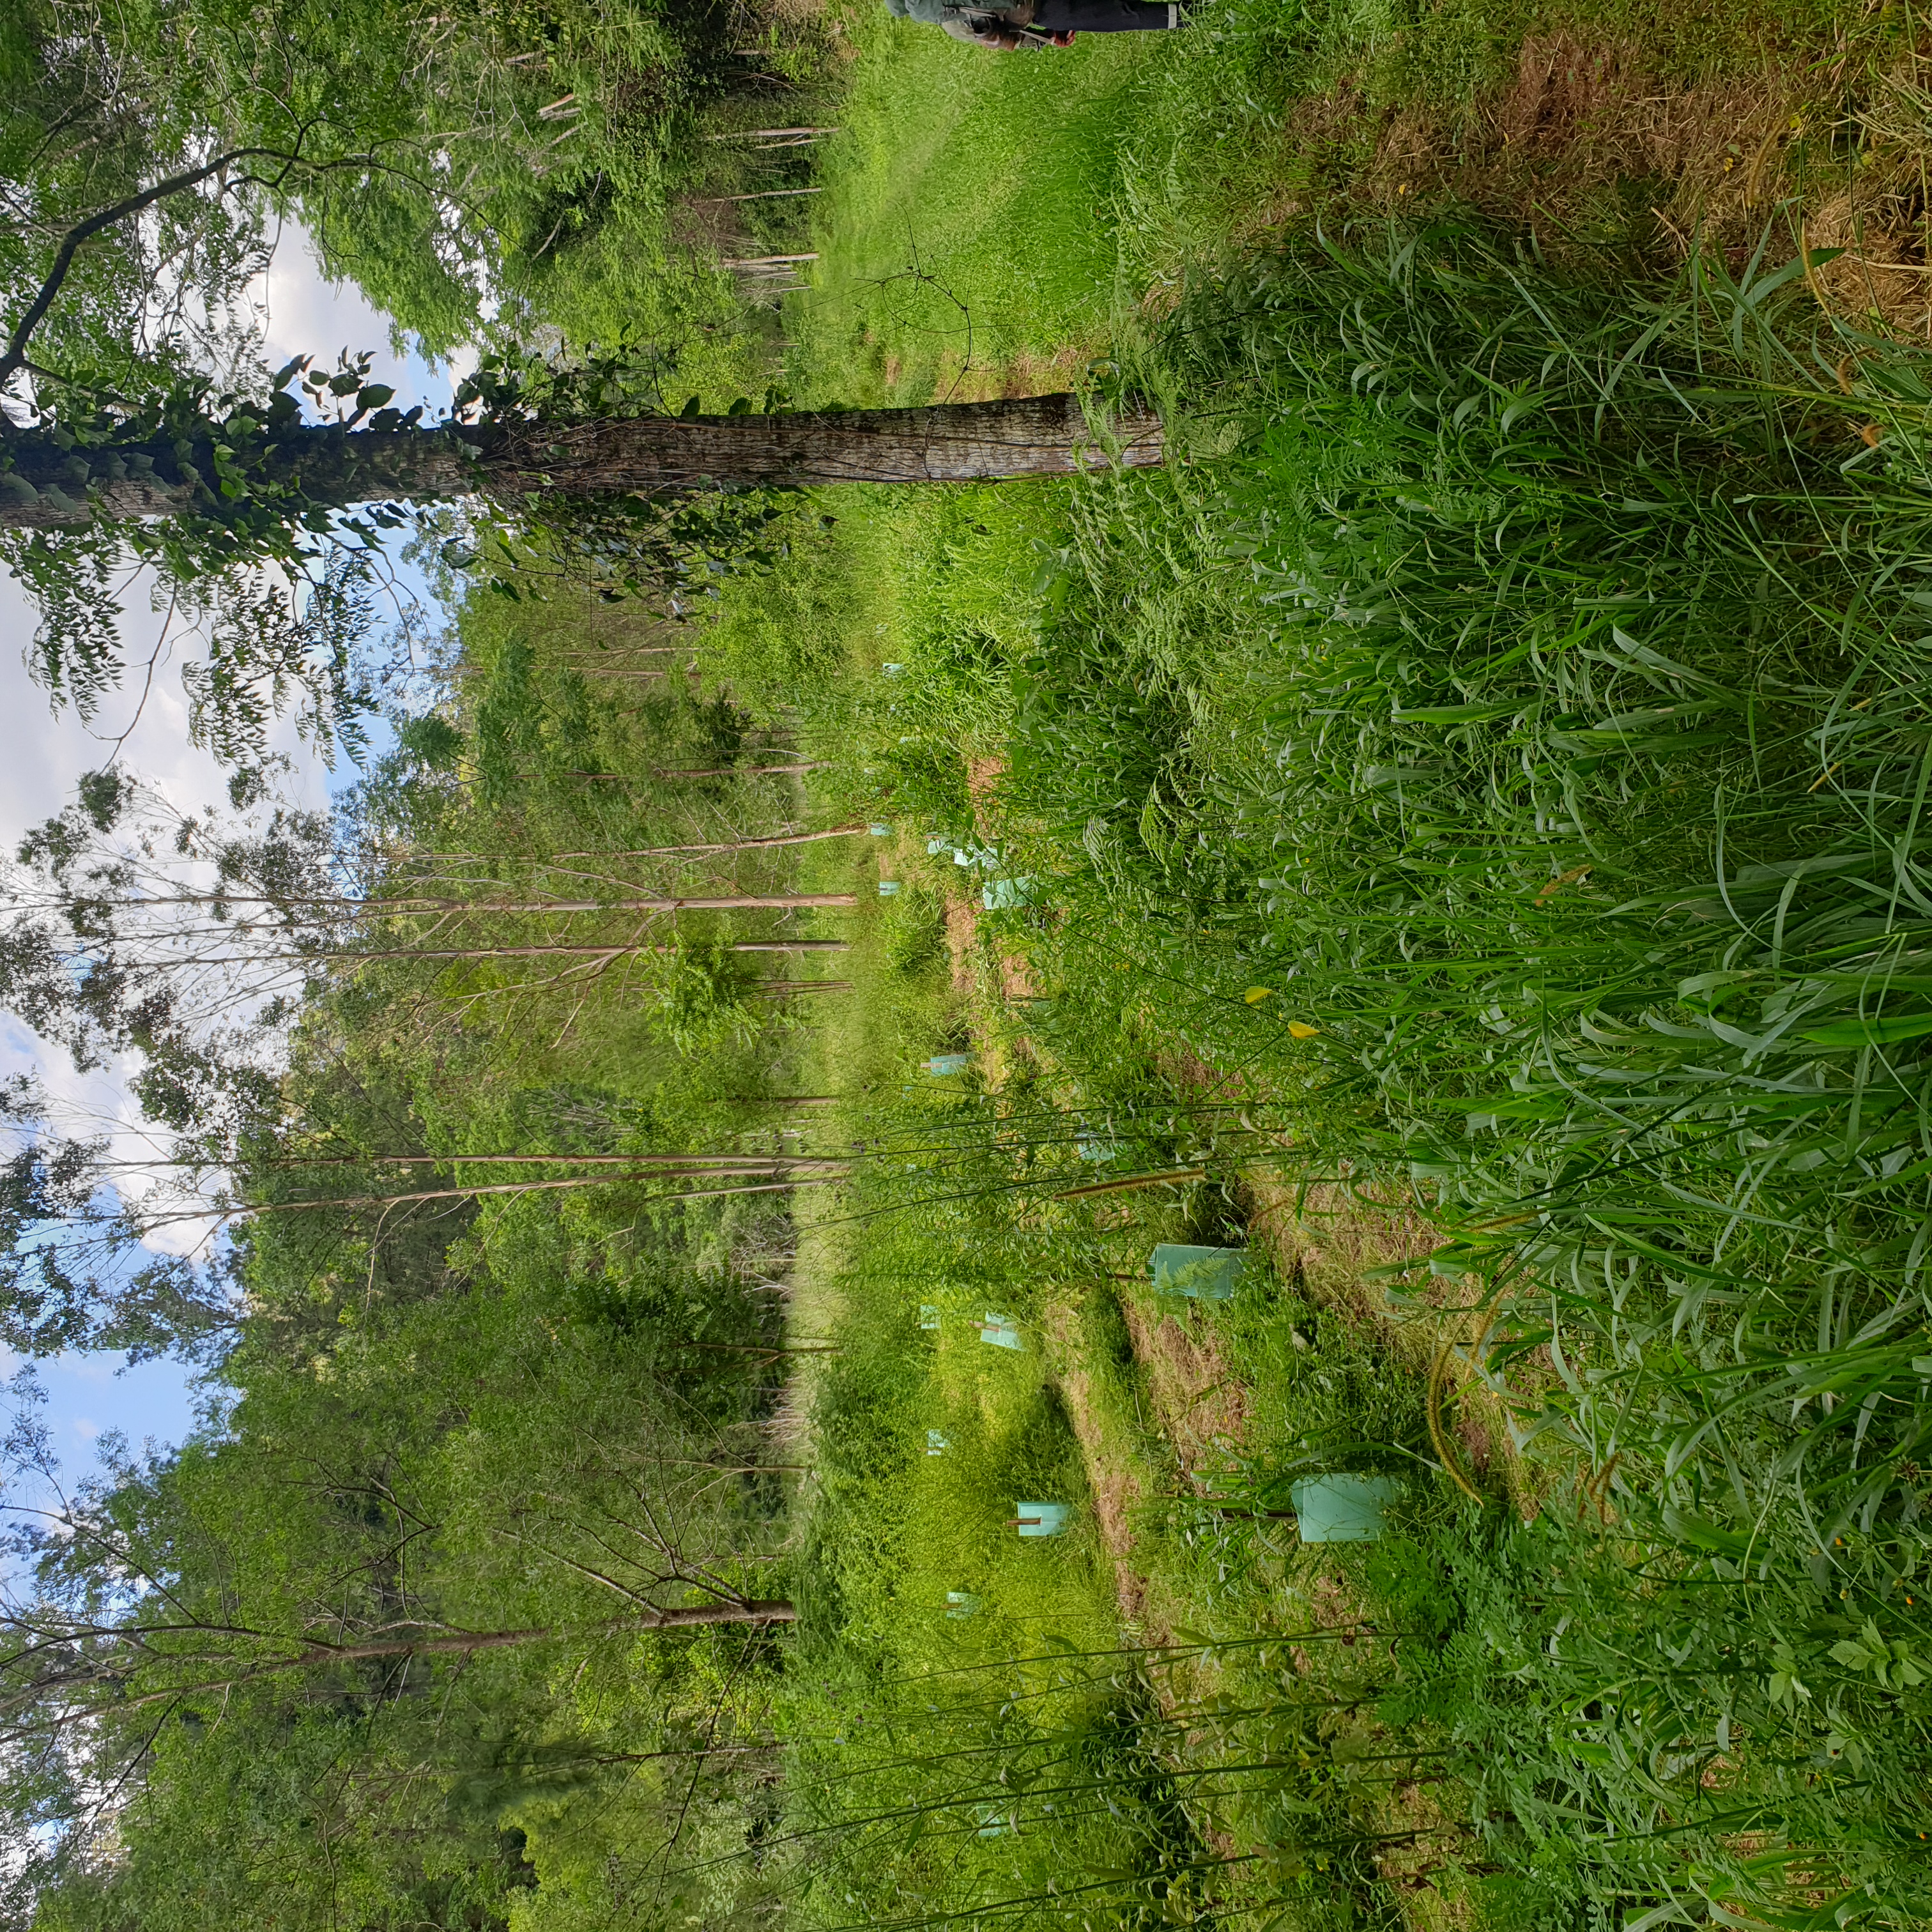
pixel 700 1162
pixel 741 771
pixel 465 1643
pixel 199 960
pixel 359 908
pixel 588 951
pixel 703 1616
pixel 732 845
pixel 647 456
pixel 751 1169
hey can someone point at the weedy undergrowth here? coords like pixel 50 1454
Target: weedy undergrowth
pixel 1507 738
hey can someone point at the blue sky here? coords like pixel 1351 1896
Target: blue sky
pixel 42 755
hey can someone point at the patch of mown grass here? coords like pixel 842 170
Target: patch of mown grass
pixel 994 222
pixel 1491 764
pixel 958 224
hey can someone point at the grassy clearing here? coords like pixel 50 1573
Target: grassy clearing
pixel 1458 832
pixel 1485 780
pixel 1469 810
pixel 990 224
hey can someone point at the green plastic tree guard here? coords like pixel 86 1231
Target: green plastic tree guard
pixel 1001 1331
pixel 1207 1274
pixel 1041 1519
pixel 941 1064
pixel 1343 1509
pixel 961 1604
pixel 1006 895
pixel 928 1315
pixel 936 1445
pixel 888 888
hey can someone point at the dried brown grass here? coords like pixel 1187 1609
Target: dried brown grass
pixel 1586 129
pixel 1200 1407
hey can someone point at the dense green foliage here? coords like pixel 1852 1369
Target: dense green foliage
pixel 1498 745
pixel 513 161
pixel 1456 833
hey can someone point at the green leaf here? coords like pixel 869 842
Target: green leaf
pixel 1873 1032
pixel 1891 378
pixel 1701 1534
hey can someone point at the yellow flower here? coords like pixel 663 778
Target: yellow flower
pixel 1256 995
pixel 1297 1030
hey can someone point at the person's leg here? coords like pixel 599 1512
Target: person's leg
pixel 1105 16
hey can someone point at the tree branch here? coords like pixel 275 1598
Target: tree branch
pixel 14 359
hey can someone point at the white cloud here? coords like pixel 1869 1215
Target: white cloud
pixel 43 754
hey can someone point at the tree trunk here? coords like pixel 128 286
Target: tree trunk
pixel 773 1177
pixel 572 952
pixel 953 442
pixel 741 771
pixel 733 902
pixel 422 906
pixel 200 960
pixel 461 1643
pixel 733 845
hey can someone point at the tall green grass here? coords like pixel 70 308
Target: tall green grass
pixel 1519 755
pixel 1499 743
pixel 1572 789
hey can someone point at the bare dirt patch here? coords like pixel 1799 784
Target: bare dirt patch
pixel 1027 374
pixel 1016 983
pixel 1116 1493
pixel 962 942
pixel 1116 1489
pixel 982 776
pixel 1329 1238
pixel 1196 1078
pixel 1201 1409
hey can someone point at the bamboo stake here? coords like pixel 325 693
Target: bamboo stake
pixel 764 194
